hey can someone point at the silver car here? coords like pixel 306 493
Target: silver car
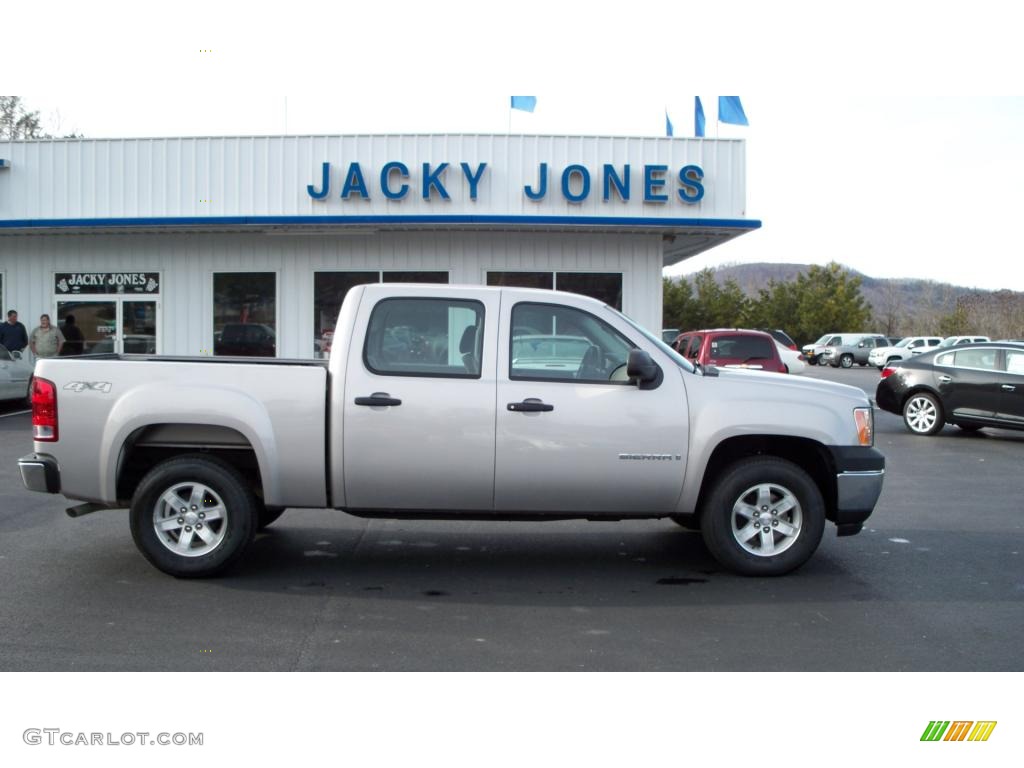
pixel 15 376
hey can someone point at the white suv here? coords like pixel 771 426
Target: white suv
pixel 912 345
pixel 953 341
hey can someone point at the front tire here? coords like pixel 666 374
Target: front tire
pixel 763 516
pixel 846 361
pixel 922 414
pixel 192 516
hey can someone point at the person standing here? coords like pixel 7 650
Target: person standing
pixel 12 333
pixel 46 340
pixel 74 339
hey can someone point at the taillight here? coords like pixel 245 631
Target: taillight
pixel 801 358
pixel 887 372
pixel 44 410
pixel 793 347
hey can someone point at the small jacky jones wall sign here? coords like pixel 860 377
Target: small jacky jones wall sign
pixel 106 282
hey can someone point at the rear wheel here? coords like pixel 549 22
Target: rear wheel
pixel 763 516
pixel 922 414
pixel 193 515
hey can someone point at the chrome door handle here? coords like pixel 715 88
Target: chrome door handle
pixel 945 379
pixel 1009 388
pixel 530 405
pixel 378 398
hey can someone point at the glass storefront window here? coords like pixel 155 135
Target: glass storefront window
pixel 329 290
pixel 245 313
pixel 415 277
pixel 603 286
pixel 522 279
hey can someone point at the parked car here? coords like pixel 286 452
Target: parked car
pixel 954 341
pixel 246 340
pixel 782 337
pixel 793 359
pixel 15 375
pixel 904 350
pixel 731 348
pixel 757 462
pixel 971 385
pixel 846 355
pixel 815 352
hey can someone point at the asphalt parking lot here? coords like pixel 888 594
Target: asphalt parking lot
pixel 935 582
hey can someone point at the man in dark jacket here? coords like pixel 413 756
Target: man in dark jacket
pixel 74 339
pixel 13 334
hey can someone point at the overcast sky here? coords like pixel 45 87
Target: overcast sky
pixel 886 147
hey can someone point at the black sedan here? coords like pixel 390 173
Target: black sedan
pixel 972 386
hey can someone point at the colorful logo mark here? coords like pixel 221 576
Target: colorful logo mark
pixel 958 730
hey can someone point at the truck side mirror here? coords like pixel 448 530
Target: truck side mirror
pixel 641 368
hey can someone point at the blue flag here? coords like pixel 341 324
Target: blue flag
pixel 731 111
pixel 525 103
pixel 668 125
pixel 698 117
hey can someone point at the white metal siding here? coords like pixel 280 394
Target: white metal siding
pixel 187 263
pixel 267 176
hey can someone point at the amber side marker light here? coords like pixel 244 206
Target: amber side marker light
pixel 865 419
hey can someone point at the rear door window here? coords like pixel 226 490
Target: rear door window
pixel 425 337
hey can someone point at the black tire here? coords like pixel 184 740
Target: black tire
pixel 230 499
pixel 915 414
pixel 785 480
pixel 846 361
pixel 266 515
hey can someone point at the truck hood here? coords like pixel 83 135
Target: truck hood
pixel 784 386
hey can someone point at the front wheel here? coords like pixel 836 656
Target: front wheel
pixel 846 361
pixel 192 516
pixel 763 516
pixel 922 414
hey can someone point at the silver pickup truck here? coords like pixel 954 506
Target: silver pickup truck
pixel 456 402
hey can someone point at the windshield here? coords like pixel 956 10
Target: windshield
pixel 678 359
pixel 823 339
pixel 904 342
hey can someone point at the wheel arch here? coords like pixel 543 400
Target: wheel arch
pixel 152 444
pixel 810 455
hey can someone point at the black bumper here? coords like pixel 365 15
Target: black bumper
pixel 860 471
pixel 40 472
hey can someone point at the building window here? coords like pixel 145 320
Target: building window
pixel 329 290
pixel 425 337
pixel 522 279
pixel 415 277
pixel 603 286
pixel 245 313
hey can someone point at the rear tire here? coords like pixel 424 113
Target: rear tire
pixel 922 414
pixel 789 531
pixel 192 516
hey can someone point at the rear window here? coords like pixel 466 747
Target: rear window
pixel 742 347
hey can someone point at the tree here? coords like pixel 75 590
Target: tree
pixel 18 123
pixel 678 306
pixel 828 299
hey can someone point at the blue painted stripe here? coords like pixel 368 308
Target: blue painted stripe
pixel 255 221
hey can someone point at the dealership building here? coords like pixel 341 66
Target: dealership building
pixel 214 245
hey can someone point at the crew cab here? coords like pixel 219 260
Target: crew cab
pixel 464 402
